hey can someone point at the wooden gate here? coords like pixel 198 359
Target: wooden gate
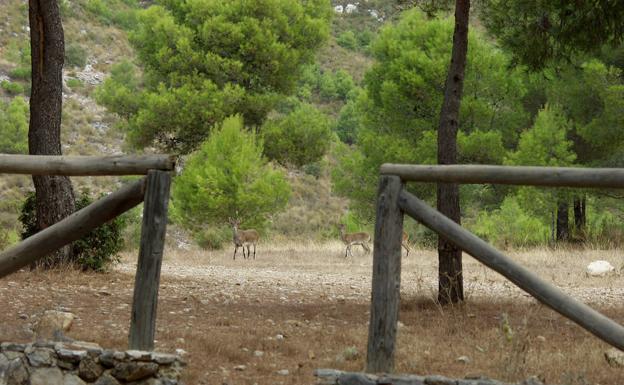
pixel 393 201
pixel 152 189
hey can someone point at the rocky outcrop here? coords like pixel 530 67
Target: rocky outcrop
pixel 81 363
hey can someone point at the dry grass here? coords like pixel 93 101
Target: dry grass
pixel 221 311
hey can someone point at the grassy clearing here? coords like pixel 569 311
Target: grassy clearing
pixel 227 313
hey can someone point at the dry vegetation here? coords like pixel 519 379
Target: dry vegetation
pixel 229 313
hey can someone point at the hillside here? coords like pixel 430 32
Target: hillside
pixel 96 39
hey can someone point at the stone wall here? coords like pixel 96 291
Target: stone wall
pixel 337 377
pixel 81 363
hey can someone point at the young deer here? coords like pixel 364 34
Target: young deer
pixel 351 239
pixel 244 238
pixel 405 243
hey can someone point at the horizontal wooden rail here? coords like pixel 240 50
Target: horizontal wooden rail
pixel 71 228
pixel 514 175
pixel 84 165
pixel 588 318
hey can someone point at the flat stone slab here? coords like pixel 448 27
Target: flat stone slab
pixel 338 377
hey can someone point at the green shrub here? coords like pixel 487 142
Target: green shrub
pixel 74 83
pixel 348 122
pixel 22 73
pixel 347 40
pixel 18 51
pixel 8 237
pixel 510 225
pixel 12 88
pixel 313 169
pixel 299 138
pixel 228 177
pixel 99 8
pixel 364 38
pixel 96 250
pixel 75 55
pixel 118 12
pixel 213 238
pixel 327 86
pixel 344 84
pixel 14 126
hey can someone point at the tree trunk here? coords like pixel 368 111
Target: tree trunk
pixel 563 226
pixel 54 194
pixel 451 287
pixel 580 218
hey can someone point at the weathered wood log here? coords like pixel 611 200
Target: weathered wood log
pixel 586 317
pixel 84 165
pixel 513 175
pixel 71 228
pixel 384 313
pixel 143 317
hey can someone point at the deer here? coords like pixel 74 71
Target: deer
pixel 405 243
pixel 351 239
pixel 244 238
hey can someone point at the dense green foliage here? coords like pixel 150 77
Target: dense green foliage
pixel 395 118
pixel 14 126
pixel 228 177
pixel 204 60
pixel 568 115
pixel 96 250
pixel 542 32
pixel 298 138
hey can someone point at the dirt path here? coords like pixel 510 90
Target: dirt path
pixel 298 307
pixel 282 275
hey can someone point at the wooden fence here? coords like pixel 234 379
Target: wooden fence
pixel 393 201
pixel 152 189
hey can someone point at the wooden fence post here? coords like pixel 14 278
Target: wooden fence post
pixel 384 311
pixel 143 318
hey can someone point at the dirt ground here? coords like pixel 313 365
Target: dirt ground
pixel 298 307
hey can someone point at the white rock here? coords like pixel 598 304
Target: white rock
pixel 339 9
pixel 463 359
pixel 615 357
pixel 350 8
pixel 599 268
pixel 52 321
pixel 283 372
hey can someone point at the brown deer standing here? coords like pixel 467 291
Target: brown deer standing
pixel 244 238
pixel 351 239
pixel 405 243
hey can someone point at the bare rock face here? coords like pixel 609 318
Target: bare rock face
pixel 52 322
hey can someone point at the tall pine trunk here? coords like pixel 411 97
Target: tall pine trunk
pixel 451 286
pixel 580 216
pixel 54 194
pixel 563 223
